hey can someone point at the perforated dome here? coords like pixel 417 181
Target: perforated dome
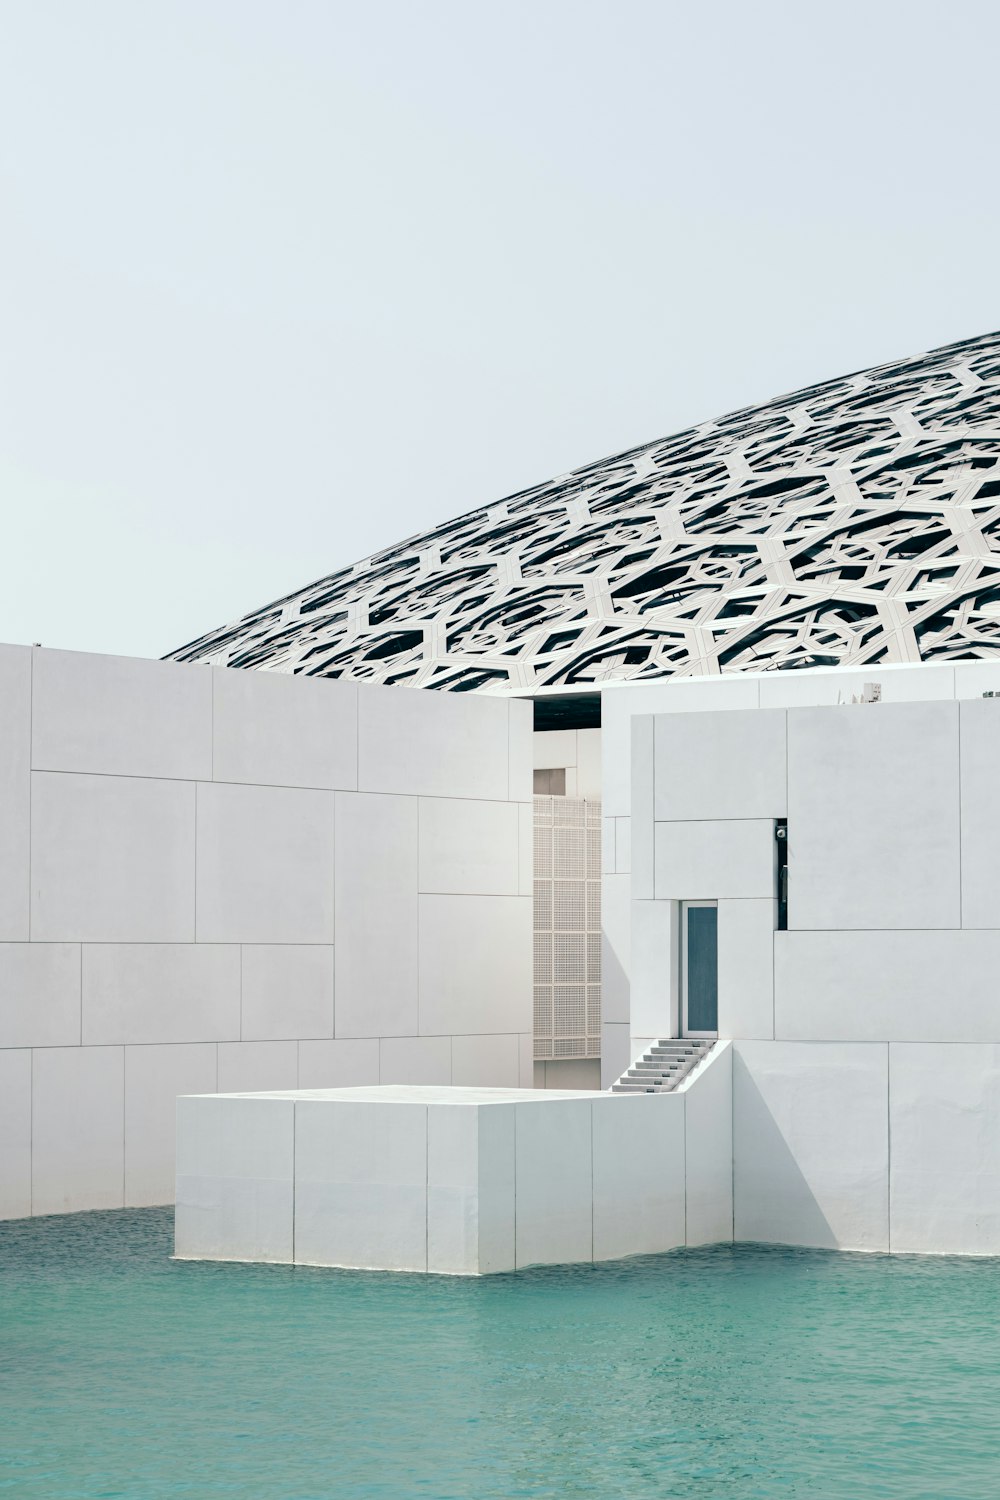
pixel 853 522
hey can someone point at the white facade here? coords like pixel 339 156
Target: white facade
pixel 632 1013
pixel 866 1035
pixel 457 1181
pixel 221 880
pixel 215 881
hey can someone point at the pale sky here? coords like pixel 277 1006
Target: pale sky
pixel 284 281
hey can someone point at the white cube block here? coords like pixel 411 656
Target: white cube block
pixel 235 1163
pixel 638 1174
pixel 361 1185
pixel 554 1183
pixel 459 1181
pixel 470 1188
pixel 708 1149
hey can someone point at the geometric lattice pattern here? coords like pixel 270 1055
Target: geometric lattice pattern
pixel 851 523
pixel 567 945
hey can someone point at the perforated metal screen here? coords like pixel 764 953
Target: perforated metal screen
pixel 567 927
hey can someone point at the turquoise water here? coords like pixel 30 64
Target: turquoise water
pixel 747 1372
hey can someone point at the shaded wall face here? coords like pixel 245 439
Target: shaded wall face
pixel 866 1034
pixel 228 880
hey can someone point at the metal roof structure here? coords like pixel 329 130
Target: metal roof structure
pixel 854 522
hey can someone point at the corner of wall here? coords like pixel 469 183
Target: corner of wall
pixel 708 1148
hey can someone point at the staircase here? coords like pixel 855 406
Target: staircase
pixel 664 1066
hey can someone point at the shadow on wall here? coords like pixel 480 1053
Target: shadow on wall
pixel 772 1201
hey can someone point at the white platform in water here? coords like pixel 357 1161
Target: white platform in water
pixel 457 1180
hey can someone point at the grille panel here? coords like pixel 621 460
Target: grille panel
pixel 567 922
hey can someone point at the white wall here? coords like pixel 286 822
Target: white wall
pixel 462 1182
pixel 229 880
pixel 866 1036
pixel 868 1145
pixel 698 770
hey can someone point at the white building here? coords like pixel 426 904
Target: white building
pixel 222 881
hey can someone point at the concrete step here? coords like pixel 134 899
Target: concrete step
pixel 663 1067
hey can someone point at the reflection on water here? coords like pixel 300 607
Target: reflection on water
pixel 747 1372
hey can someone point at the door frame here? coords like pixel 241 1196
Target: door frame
pixel 686 906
